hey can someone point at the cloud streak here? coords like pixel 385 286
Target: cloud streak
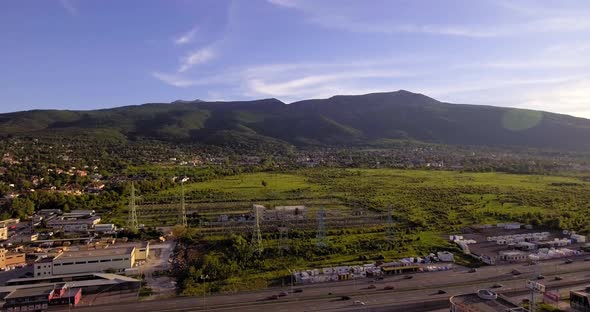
pixel 186 37
pixel 197 57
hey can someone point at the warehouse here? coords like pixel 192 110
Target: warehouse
pixel 94 260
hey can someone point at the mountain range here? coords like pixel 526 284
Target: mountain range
pixel 359 120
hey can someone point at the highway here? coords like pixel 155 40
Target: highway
pixel 417 294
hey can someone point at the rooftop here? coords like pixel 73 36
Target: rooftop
pixel 102 252
pixel 30 292
pixel 96 277
pixel 474 302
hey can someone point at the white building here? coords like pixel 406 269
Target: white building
pixel 94 260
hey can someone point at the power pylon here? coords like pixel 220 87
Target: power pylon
pixel 390 229
pixel 182 212
pixel 133 224
pixel 321 240
pixel 256 234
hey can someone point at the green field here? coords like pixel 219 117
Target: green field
pixel 441 200
pixel 426 206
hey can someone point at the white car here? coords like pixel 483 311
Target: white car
pixel 357 302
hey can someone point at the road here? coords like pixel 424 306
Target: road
pixel 417 294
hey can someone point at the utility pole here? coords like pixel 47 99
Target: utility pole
pixel 256 234
pixel 321 234
pixel 133 224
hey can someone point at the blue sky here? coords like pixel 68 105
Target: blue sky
pixel 82 54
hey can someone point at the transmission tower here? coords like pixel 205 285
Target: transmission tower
pixel 283 239
pixel 390 229
pixel 132 222
pixel 182 212
pixel 321 235
pixel 256 235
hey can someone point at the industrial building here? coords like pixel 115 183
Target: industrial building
pixel 74 222
pixel 39 294
pixel 483 301
pixel 580 300
pixel 40 298
pixel 84 261
pixel 288 213
pixel 111 258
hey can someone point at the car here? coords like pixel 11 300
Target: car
pixel 497 285
pixel 297 290
pixel 388 287
pixel 282 294
pixel 273 297
pixel 587 259
pixel 472 270
pixel 558 278
pixel 568 261
pixel 380 278
pixel 441 292
pixel 372 286
pixel 540 277
pixel 408 277
pixel 344 298
pixel 357 302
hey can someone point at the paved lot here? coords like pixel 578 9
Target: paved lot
pixel 158 258
pixel 16 273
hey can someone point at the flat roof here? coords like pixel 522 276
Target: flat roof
pixel 91 277
pixel 102 252
pixel 476 303
pixel 29 292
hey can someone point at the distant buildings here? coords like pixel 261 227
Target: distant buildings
pixel 79 221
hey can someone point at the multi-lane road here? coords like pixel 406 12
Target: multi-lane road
pixel 421 293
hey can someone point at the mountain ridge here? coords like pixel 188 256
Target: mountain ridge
pixel 341 120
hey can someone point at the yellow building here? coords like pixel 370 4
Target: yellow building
pixel 8 259
pixel 3 233
pixel 142 252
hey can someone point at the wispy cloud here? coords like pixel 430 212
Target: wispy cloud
pixel 186 37
pixel 197 57
pixel 530 19
pixel 69 7
pixel 284 3
pixel 174 80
